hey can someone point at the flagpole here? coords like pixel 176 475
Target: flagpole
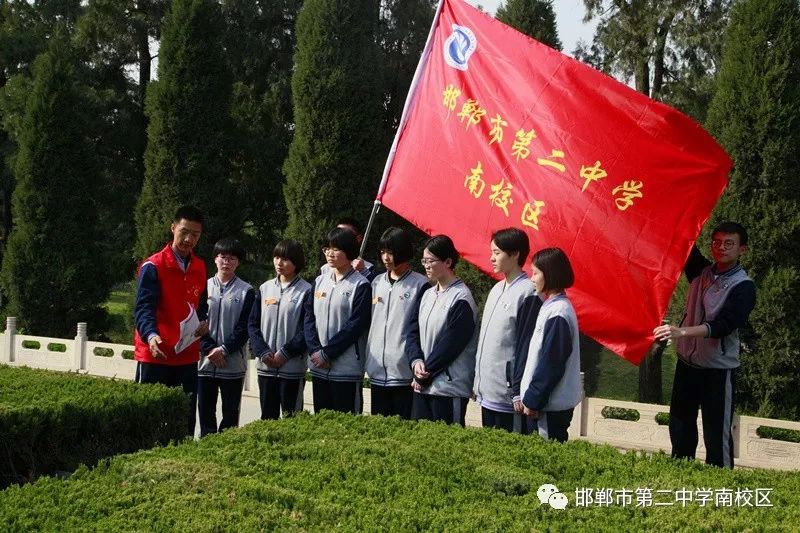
pixel 409 104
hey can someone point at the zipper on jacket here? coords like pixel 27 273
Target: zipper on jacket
pixel 278 319
pixel 483 342
pixel 427 319
pixel 386 325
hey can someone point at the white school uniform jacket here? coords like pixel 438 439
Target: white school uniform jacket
pixel 494 367
pixel 336 324
pixel 276 325
pixel 394 307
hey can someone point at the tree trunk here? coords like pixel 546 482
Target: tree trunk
pixel 642 75
pixel 145 62
pixel 650 383
pixel 658 56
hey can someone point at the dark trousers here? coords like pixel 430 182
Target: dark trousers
pixel 448 409
pixel 342 396
pixel 391 401
pixel 553 425
pixel 497 419
pixel 712 391
pixel 207 391
pixel 184 376
pixel 280 394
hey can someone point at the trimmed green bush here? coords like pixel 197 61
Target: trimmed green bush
pixel 355 473
pixel 662 419
pixel 620 413
pixel 103 352
pixel 784 434
pixel 51 421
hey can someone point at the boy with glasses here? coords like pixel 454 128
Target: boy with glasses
pixel 720 299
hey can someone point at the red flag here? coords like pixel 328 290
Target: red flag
pixel 500 130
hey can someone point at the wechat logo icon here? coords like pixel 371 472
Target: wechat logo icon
pixel 549 494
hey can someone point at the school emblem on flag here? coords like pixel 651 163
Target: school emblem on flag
pixel 459 47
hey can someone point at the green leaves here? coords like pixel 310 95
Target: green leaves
pixel 187 160
pixel 53 272
pixel 534 18
pixel 755 115
pixel 335 159
pixel 356 473
pixel 51 421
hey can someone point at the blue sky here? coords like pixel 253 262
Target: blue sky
pixel 569 19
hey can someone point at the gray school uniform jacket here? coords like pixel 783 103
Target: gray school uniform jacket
pixel 276 325
pixel 336 323
pixel 494 368
pixel 707 296
pixel 393 306
pixel 552 377
pixel 446 340
pixel 228 311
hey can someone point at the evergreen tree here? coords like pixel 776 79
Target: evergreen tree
pixel 666 47
pixel 259 46
pixel 51 271
pixel 755 115
pixel 335 159
pixel 402 32
pixel 187 160
pixel 403 28
pixel 534 18
pixel 113 36
pixel 24 29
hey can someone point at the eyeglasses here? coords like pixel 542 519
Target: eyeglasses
pixel 227 258
pixel 428 262
pixel 329 250
pixel 725 245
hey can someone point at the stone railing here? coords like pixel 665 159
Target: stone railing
pixel 596 419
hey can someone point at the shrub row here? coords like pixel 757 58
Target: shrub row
pixel 355 473
pixel 53 421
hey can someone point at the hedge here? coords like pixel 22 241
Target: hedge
pixel 53 421
pixel 354 473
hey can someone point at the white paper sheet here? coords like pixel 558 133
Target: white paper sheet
pixel 188 326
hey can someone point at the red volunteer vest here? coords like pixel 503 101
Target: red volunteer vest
pixel 177 290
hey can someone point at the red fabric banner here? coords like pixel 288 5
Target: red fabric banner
pixel 503 131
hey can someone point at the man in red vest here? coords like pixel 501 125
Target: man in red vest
pixel 172 286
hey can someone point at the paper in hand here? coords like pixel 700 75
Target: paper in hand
pixel 188 326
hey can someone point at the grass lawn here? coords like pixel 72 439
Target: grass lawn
pixel 369 473
pixel 120 313
pixel 619 380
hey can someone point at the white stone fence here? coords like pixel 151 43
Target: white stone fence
pixel 594 419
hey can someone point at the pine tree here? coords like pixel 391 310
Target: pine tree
pixel 755 115
pixel 24 31
pixel 259 46
pixel 112 37
pixel 187 160
pixel 535 18
pixel 53 270
pixel 335 159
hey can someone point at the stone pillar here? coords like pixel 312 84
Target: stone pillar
pixel 79 363
pixel 7 348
